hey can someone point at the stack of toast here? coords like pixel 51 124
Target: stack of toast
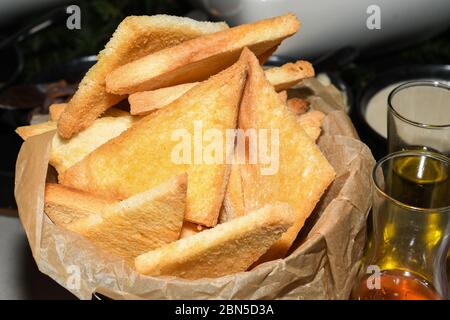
pixel 121 183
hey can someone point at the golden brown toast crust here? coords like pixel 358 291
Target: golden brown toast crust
pixel 228 248
pixel 298 106
pixel 142 103
pixel 135 37
pixel 35 129
pixel 197 59
pixel 55 110
pixel 289 74
pixel 311 122
pixel 141 157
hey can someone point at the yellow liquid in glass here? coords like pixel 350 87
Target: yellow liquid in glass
pixel 409 238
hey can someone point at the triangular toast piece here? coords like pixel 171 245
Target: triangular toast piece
pixel 233 203
pixel 151 150
pixel 289 74
pixel 55 110
pixel 303 172
pixel 197 59
pixel 66 153
pixel 142 103
pixel 228 248
pixel 35 129
pixel 65 205
pixel 143 222
pixel 39 128
pixel 135 37
pixel 311 122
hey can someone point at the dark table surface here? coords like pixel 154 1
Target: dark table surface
pixel 9 145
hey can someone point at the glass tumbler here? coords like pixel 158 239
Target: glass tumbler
pixel 411 228
pixel 419 117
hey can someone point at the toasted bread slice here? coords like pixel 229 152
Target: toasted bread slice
pixel 65 205
pixel 115 112
pixel 197 59
pixel 298 106
pixel 143 222
pixel 311 122
pixel 283 96
pixel 35 129
pixel 303 172
pixel 313 118
pixel 148 153
pixel 145 102
pixel 190 229
pixel 135 37
pixel 66 153
pixel 142 103
pixel 55 110
pixel 228 248
pixel 233 202
pixel 289 74
pixel 263 57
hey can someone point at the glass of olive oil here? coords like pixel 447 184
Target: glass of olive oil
pixel 411 228
pixel 419 117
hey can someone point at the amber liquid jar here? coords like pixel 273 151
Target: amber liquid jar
pixel 411 229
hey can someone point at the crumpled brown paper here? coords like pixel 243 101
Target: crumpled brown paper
pixel 323 266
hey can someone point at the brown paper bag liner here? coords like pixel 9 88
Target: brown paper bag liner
pixel 323 264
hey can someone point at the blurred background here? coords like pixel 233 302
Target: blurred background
pixel 360 46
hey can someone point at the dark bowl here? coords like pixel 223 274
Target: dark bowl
pixel 11 70
pixel 376 142
pixel 12 116
pixel 72 72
